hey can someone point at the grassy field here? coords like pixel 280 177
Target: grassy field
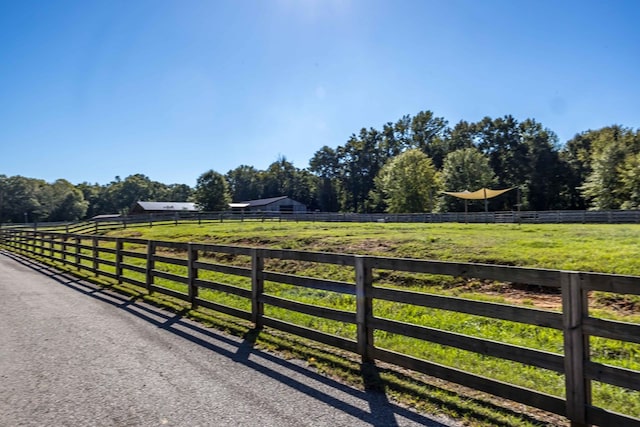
pixel 606 248
pixel 587 247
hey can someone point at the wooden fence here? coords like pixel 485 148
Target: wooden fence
pixel 510 217
pixel 116 258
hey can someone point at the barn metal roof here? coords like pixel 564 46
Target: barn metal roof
pixel 168 206
pixel 257 203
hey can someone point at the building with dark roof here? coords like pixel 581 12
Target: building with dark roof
pixel 282 204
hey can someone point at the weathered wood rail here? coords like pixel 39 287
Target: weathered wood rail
pixel 116 259
pixel 514 217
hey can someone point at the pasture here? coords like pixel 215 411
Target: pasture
pixel 607 248
pixel 603 248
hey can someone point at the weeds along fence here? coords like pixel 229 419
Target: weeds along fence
pixel 569 375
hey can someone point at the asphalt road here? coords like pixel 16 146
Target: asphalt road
pixel 75 355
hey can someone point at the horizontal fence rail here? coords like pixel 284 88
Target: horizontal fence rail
pixel 242 282
pixel 514 217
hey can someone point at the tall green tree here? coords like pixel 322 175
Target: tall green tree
pixel 325 165
pixel 630 181
pixel 463 135
pixel 523 156
pixel 66 202
pixel 119 196
pixel 430 134
pixel 360 160
pixel 601 186
pixel 177 193
pixel 3 196
pixel 211 192
pixel 543 187
pixel 499 139
pixel 280 179
pixel 408 183
pixel 93 195
pixel 22 199
pixel 245 183
pixel 612 151
pixel 465 169
pixel 576 155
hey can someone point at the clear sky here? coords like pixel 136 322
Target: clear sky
pixel 90 90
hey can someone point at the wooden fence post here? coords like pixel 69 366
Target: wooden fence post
pixel 63 246
pixel 52 238
pixel 94 254
pixel 364 307
pixel 257 287
pixel 77 239
pixel 151 250
pixel 192 257
pixel 576 348
pixel 40 240
pixel 119 257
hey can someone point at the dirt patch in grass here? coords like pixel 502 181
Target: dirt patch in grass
pixel 546 298
pixel 511 293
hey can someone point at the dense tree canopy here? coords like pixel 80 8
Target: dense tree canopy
pixel 373 172
pixel 212 193
pixel 245 183
pixel 408 183
pixel 610 181
pixel 465 169
pixel 32 200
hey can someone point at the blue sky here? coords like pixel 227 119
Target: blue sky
pixel 90 90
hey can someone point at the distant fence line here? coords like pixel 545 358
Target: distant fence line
pixel 506 217
pixel 151 265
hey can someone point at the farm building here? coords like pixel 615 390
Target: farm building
pixel 163 207
pixel 273 204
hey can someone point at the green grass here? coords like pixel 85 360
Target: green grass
pixel 603 248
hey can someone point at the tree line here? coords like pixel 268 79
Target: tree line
pixel 402 167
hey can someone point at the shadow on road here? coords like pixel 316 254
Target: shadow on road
pixel 381 412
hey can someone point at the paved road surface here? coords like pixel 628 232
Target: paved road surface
pixel 75 355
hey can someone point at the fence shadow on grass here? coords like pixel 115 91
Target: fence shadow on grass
pixel 381 411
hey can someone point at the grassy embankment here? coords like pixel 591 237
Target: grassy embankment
pixel 601 248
